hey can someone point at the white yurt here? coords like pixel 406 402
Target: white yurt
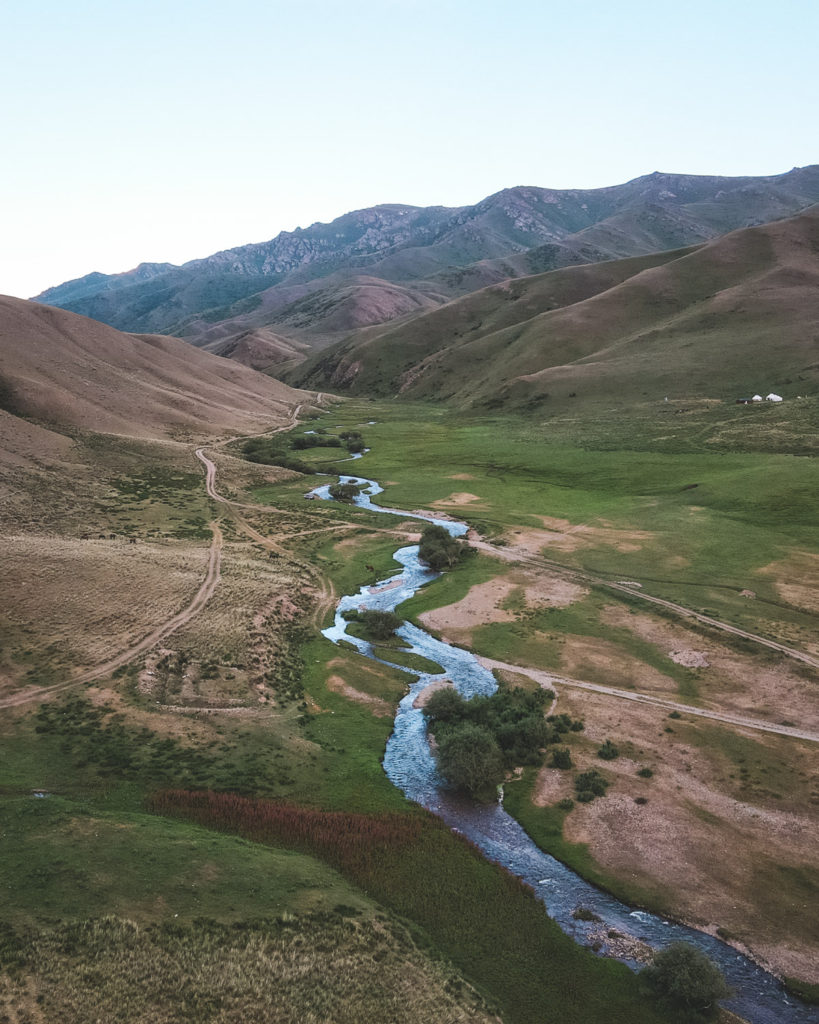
pixel 773 398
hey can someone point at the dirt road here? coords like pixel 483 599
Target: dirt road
pixel 552 681
pixel 199 601
pixel 579 576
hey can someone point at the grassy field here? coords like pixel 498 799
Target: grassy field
pixel 636 516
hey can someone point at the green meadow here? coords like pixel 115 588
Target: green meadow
pixel 698 524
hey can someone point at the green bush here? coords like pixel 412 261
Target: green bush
pixel 561 758
pixel 645 773
pixel 590 784
pixel 344 492
pixel 608 751
pixel 377 625
pixel 686 980
pixel 440 550
pixel 446 706
pixel 470 758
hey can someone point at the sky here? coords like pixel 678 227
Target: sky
pixel 166 131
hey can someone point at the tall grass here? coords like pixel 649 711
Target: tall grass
pixel 481 917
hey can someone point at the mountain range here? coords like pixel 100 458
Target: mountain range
pixel 267 304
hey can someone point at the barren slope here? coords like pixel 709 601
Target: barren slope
pixel 61 368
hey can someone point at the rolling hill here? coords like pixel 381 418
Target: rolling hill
pixel 393 262
pixel 738 314
pixel 60 368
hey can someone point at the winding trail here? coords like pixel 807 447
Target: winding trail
pixel 203 595
pixel 549 680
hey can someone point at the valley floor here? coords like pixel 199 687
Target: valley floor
pixel 191 658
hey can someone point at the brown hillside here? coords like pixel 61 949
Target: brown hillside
pixel 257 348
pixel 739 313
pixel 58 367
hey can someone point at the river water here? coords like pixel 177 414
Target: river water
pixel 409 764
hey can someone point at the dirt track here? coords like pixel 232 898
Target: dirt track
pixel 201 598
pixel 550 680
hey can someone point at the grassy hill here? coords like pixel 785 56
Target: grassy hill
pixel 735 316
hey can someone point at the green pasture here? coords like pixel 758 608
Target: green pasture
pixel 700 545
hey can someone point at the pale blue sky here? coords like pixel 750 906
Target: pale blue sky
pixel 164 131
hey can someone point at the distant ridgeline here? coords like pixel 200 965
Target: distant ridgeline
pixel 269 304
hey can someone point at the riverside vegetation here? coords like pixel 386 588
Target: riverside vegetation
pixel 316 748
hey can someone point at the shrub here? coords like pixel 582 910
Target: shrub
pixel 344 492
pixel 590 784
pixel 683 977
pixel 608 751
pixel 645 773
pixel 446 706
pixel 377 625
pixel 561 758
pixel 566 804
pixel 584 914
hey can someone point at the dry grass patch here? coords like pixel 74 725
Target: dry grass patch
pixel 724 808
pixel 456 499
pixel 306 970
pixel 796 579
pixel 70 603
pixel 754 685
pixel 595 660
pixel 502 599
pixel 380 708
pixel 235 475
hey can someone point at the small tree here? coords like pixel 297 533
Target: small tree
pixel 684 978
pixel 379 625
pixel 470 759
pixel 446 706
pixel 439 549
pixel 344 492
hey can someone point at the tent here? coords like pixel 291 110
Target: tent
pixel 773 398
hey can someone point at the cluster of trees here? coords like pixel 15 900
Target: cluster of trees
pixel 440 550
pixel 480 739
pixel 275 451
pixel 268 451
pixel 353 440
pixel 349 439
pixel 344 492
pixel 314 441
pixel 376 625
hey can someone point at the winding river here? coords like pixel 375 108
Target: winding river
pixel 758 996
